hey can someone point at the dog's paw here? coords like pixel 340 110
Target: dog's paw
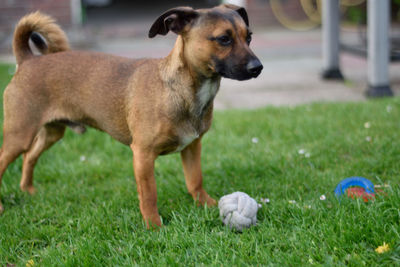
pixel 31 190
pixel 153 222
pixel 210 202
pixel 203 198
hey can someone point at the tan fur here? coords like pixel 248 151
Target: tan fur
pixel 43 24
pixel 154 106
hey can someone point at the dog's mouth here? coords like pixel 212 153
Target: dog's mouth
pixel 240 72
pixel 239 75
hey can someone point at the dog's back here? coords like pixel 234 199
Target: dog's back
pixel 73 92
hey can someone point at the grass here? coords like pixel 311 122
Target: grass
pixel 86 210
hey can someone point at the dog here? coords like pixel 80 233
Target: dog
pixel 155 106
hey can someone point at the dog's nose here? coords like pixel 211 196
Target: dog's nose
pixel 254 67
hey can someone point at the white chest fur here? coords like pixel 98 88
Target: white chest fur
pixel 206 93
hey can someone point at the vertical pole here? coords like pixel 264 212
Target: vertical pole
pixel 378 48
pixel 330 39
pixel 76 12
pixel 242 3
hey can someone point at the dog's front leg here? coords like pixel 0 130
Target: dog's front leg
pixel 143 164
pixel 192 169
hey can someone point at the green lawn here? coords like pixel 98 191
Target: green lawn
pixel 86 210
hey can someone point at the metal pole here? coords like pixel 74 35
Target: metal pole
pixel 76 12
pixel 242 3
pixel 330 39
pixel 378 48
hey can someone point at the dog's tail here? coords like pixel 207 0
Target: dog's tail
pixel 43 32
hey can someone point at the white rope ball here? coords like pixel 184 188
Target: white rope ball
pixel 238 210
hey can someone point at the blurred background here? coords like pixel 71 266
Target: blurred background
pixel 287 38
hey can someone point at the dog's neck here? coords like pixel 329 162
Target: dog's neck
pixel 193 87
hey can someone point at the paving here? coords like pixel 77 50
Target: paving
pixel 292 65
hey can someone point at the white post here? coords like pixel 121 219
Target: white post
pixel 76 12
pixel 242 3
pixel 330 39
pixel 378 48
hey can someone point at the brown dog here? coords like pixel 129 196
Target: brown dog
pixel 156 106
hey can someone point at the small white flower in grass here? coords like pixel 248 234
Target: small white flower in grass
pixel 82 158
pixel 322 197
pixel 254 140
pixel 265 200
pixel 259 206
pixel 389 108
pixel 367 125
pixel 381 186
pixel 292 201
pixel 368 139
pixel 302 151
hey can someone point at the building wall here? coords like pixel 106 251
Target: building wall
pixel 12 10
pixel 261 15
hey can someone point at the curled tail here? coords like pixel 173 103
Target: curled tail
pixel 37 26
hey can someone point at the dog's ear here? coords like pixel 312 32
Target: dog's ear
pixel 175 19
pixel 241 10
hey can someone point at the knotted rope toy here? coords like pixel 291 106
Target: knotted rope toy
pixel 238 210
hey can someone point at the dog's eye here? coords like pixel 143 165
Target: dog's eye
pixel 224 40
pixel 248 38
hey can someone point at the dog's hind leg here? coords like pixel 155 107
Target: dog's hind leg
pixel 14 144
pixel 45 138
pixel 21 124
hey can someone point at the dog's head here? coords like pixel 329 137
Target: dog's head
pixel 216 40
